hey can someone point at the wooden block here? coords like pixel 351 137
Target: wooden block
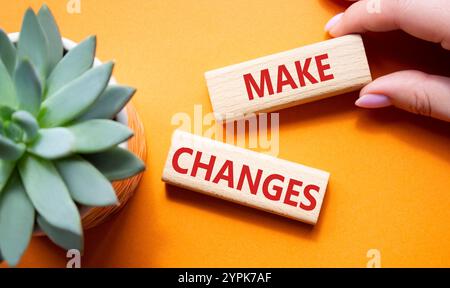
pixel 245 177
pixel 289 78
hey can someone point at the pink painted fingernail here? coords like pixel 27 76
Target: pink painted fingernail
pixel 333 21
pixel 373 101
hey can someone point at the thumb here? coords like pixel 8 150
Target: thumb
pixel 413 91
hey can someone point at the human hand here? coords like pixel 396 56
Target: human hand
pixel 410 90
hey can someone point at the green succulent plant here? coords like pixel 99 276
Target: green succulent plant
pixel 59 144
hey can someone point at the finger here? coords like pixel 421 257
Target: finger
pixel 425 19
pixel 413 91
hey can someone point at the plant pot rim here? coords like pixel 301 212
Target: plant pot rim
pixel 68 44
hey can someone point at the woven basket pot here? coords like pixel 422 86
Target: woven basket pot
pixel 92 217
pixel 124 188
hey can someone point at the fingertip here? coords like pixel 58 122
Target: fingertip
pixel 411 90
pixel 332 23
pixel 373 101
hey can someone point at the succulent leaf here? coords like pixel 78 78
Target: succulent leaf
pixel 13 132
pixel 28 87
pixel 76 62
pixel 116 163
pixel 75 98
pixel 9 150
pixel 7 52
pixel 63 238
pixel 86 184
pixel 16 220
pixel 28 123
pixel 6 168
pixel 49 194
pixel 33 44
pixel 6 113
pixel 7 92
pixel 53 143
pixel 109 103
pixel 51 31
pixel 98 135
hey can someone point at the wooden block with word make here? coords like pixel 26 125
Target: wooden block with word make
pixel 245 177
pixel 289 78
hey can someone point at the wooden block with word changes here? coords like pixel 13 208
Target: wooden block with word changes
pixel 289 78
pixel 245 177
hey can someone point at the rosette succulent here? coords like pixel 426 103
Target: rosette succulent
pixel 59 142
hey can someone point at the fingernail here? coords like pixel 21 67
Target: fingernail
pixel 373 101
pixel 333 21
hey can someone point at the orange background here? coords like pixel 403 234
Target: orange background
pixel 389 187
